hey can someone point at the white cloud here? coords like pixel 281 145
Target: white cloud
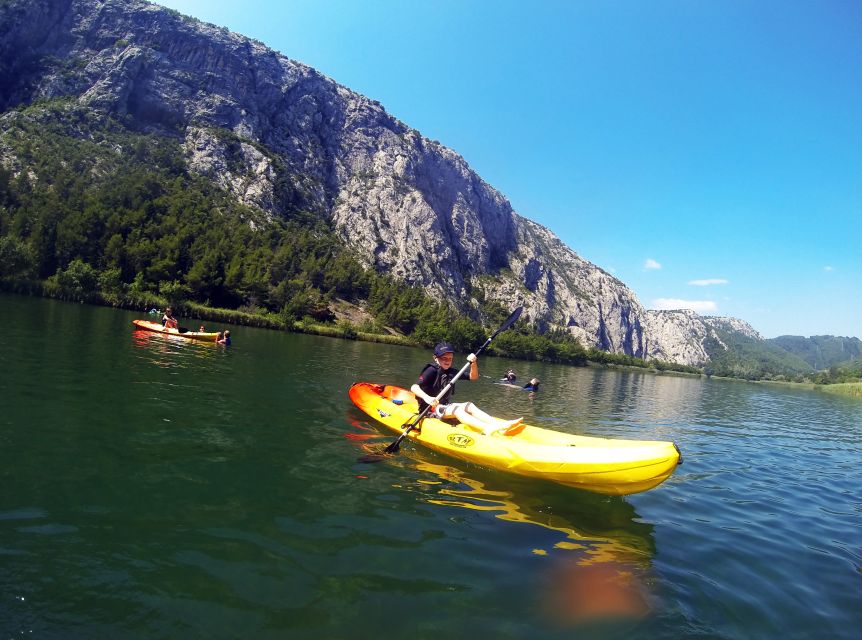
pixel 651 264
pixel 707 282
pixel 670 304
pixel 828 268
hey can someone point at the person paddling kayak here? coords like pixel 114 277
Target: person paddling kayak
pixel 435 376
pixel 169 321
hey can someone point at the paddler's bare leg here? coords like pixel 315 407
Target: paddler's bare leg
pixel 472 416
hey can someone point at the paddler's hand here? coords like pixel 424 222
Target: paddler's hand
pixel 474 368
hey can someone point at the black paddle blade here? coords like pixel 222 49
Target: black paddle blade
pixel 512 319
pixel 377 454
pixel 380 456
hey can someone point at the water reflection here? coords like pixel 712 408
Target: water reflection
pixel 163 350
pixel 648 402
pixel 455 487
pixel 594 574
pixel 597 560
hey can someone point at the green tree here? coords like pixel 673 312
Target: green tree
pixel 16 259
pixel 79 280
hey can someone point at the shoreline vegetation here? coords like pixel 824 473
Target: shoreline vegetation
pixel 348 330
pixel 340 328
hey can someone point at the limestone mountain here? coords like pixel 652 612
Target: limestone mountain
pixel 279 136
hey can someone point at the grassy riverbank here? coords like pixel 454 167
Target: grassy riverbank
pixel 853 389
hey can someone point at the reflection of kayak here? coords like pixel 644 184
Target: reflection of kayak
pixel 618 467
pixel 597 530
pixel 158 328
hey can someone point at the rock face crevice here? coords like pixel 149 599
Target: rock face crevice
pixel 282 137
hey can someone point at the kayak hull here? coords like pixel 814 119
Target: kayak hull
pixel 602 465
pixel 157 327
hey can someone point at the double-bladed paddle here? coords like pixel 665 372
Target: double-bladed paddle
pixel 393 448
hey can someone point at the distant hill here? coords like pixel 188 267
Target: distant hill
pixel 821 352
pixel 740 355
pixel 852 369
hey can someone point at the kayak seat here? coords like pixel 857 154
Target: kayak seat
pixel 394 393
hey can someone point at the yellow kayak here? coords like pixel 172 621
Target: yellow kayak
pixel 158 328
pixel 617 467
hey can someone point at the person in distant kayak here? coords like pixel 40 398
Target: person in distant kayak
pixel 168 319
pixel 510 376
pixel 224 338
pixel 532 385
pixel 434 378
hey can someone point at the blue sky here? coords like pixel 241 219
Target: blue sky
pixel 707 153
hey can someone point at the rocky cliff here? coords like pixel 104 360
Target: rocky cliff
pixel 683 335
pixel 280 136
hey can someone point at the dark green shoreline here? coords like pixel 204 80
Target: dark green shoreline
pixel 339 329
pixel 198 311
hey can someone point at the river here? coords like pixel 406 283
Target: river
pixel 160 488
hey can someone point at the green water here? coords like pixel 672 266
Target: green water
pixel 159 488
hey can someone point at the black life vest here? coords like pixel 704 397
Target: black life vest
pixel 432 380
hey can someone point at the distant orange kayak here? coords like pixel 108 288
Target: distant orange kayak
pixel 158 328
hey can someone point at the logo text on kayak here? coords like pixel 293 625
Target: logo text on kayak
pixel 460 440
